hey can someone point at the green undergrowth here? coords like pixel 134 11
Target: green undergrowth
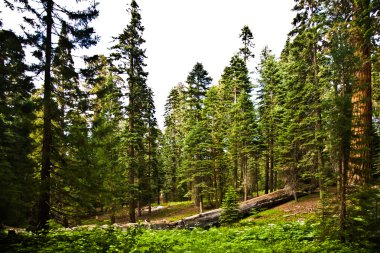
pixel 280 237
pixel 275 216
pixel 172 211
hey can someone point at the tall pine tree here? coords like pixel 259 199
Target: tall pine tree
pixel 129 57
pixel 44 18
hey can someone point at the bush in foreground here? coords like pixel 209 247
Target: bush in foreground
pixel 289 237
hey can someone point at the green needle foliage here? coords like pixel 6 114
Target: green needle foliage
pixel 79 145
pixel 230 207
pixel 16 116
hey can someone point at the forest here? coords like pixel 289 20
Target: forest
pixel 82 143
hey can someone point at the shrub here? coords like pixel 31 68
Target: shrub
pixel 230 207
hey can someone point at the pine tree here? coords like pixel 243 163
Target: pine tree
pixel 150 179
pixel 43 22
pixel 298 125
pixel 129 56
pixel 196 152
pixel 239 117
pixel 72 179
pixel 106 122
pixel 173 143
pixel 16 110
pixel 304 65
pixel 230 207
pixel 198 83
pixel 213 113
pixel 271 95
pixel 246 37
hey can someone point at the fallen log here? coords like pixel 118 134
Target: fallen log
pixel 211 218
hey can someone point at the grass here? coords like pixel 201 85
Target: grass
pixel 273 216
pixel 172 211
pixel 288 237
pixel 282 229
pixel 304 209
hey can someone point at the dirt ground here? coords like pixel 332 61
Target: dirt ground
pixel 306 204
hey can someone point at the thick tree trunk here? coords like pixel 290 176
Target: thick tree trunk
pixel 44 198
pixel 361 142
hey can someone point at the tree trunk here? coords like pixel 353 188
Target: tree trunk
pixel 131 151
pixel 266 173
pixel 139 208
pixel 236 166
pixel 44 198
pixel 271 165
pixel 257 177
pixel 200 204
pixel 361 149
pixel 245 176
pixel 343 190
pixel 318 126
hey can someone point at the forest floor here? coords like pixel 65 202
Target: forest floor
pixel 306 207
pixel 173 211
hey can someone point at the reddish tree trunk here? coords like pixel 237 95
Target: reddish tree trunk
pixel 361 142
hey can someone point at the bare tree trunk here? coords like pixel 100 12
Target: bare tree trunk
pixel 44 198
pixel 266 173
pixel 271 166
pixel 245 177
pixel 139 208
pixel 200 204
pixel 257 177
pixel 236 173
pixel 361 142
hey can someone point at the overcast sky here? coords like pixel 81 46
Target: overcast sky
pixel 179 33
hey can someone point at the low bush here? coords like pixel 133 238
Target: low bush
pixel 286 237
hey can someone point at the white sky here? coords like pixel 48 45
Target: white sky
pixel 179 33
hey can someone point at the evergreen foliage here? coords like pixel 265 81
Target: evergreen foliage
pixel 42 20
pixel 230 207
pixel 196 146
pixel 87 143
pixel 271 96
pixel 137 153
pixel 16 115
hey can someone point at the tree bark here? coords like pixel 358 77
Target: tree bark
pixel 266 173
pixel 271 163
pixel 361 143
